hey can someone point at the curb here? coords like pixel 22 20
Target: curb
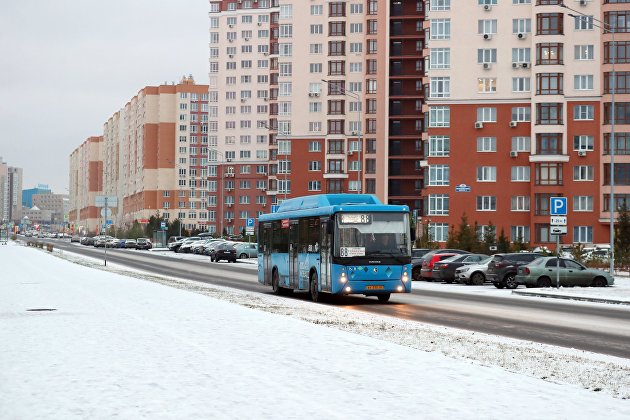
pixel 566 297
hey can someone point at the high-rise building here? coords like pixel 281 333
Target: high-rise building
pixel 301 92
pixel 86 182
pixel 10 193
pixel 514 113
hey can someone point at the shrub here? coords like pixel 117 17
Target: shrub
pixel 49 247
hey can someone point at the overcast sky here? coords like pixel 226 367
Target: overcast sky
pixel 67 65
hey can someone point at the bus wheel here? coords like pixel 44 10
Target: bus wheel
pixel 275 283
pixel 384 297
pixel 313 288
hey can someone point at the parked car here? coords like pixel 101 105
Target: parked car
pixel 224 251
pixel 130 243
pixel 172 240
pixel 143 243
pixel 416 270
pixel 543 272
pixel 209 248
pixel 102 241
pixel 121 243
pixel 473 273
pixel 186 244
pixel 75 238
pixel 503 267
pixel 427 265
pixel 445 269
pixel 246 250
pixel 199 246
pixel 416 261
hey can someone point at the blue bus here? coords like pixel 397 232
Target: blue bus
pixel 338 244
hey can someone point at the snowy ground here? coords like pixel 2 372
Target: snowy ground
pixel 132 345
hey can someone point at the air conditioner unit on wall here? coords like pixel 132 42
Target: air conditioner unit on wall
pixel 525 65
pixel 513 123
pixel 478 124
pixel 582 153
pixel 513 153
pixel 487 7
pixel 487 66
pixel 583 2
pixel 487 36
pixel 521 35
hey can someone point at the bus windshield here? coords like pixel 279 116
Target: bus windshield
pixel 372 234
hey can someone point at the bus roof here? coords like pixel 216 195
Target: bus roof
pixel 324 204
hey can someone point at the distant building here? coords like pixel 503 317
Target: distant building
pixel 27 195
pixel 10 193
pixel 37 216
pixel 54 203
pixel 86 182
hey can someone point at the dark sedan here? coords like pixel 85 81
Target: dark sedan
pixel 143 243
pixel 225 251
pixel 445 269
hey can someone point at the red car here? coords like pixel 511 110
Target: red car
pixel 427 265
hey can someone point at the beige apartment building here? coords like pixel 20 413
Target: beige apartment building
pixel 11 179
pixel 306 87
pixel 86 182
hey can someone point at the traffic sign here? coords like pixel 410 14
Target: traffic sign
pixel 274 208
pixel 162 225
pixel 250 222
pixel 558 221
pixel 107 213
pixel 558 206
pixel 558 230
pixel 462 188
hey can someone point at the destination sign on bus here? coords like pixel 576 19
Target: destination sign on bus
pixel 352 251
pixel 355 218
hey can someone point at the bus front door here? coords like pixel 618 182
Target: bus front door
pixel 294 269
pixel 325 260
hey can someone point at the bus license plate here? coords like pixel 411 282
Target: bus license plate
pixel 375 287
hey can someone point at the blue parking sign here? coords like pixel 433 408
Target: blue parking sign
pixel 250 222
pixel 558 206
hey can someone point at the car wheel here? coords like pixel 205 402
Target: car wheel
pixel 384 297
pixel 599 282
pixel 477 279
pixel 313 288
pixel 415 274
pixel 544 282
pixel 510 281
pixel 243 256
pixel 448 281
pixel 498 285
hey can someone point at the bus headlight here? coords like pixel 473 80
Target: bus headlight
pixel 399 289
pixel 343 279
pixel 348 289
pixel 405 277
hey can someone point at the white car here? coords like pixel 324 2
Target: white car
pixel 473 273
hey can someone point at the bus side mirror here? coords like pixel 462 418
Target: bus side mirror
pixel 330 227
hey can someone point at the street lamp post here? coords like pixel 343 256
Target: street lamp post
pixel 612 143
pixel 360 131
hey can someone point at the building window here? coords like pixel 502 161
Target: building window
pixel 439 175
pixel 521 114
pixel 486 144
pixel 440 29
pixel 519 233
pixel 521 144
pixel 549 143
pixel 583 143
pixel 487 85
pixel 549 84
pixel 583 82
pixel 583 234
pixel 584 52
pixel 549 53
pixel 438 205
pixel 486 114
pixel 622 142
pixel 548 113
pixel 548 173
pixel 583 173
pixel 583 203
pixel 520 203
pixel 521 84
pixel 486 173
pixel 520 173
pixel 486 55
pixel 440 58
pixel 440 116
pixel 438 232
pixel 583 112
pixel 440 87
pixel 549 24
pixel 486 203
pixel 439 146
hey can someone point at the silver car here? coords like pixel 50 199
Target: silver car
pixel 246 250
pixel 473 273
